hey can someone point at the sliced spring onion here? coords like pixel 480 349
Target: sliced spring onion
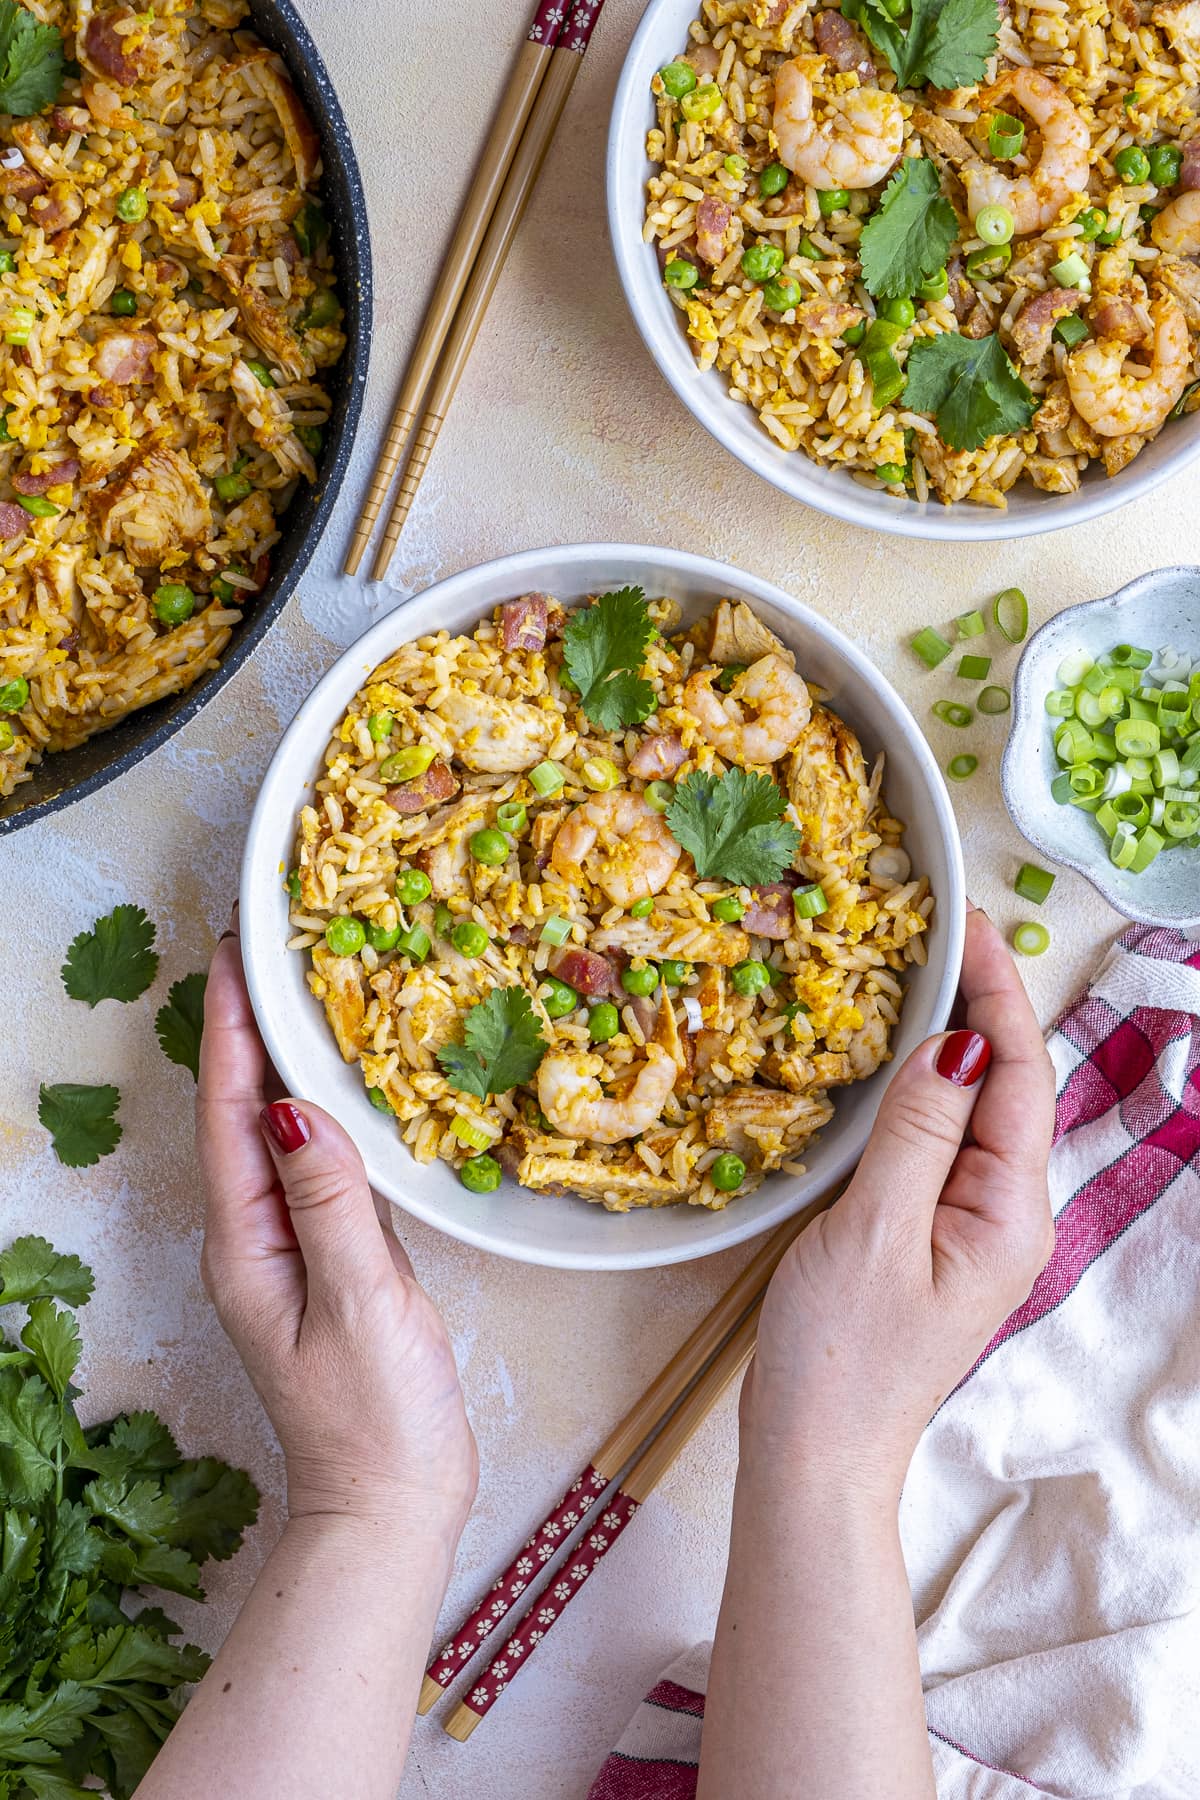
pixel 1149 843
pixel 1010 614
pixel 1073 668
pixel 974 668
pixel 950 712
pixel 414 943
pixel 1060 703
pixel 1074 743
pixel 555 930
pixel 1071 272
pixel 1129 656
pixel 961 768
pixel 931 647
pixel 994 700
pixel 475 1137
pixel 1006 136
pixel 1031 939
pixel 1033 883
pixel 810 902
pixel 659 795
pixel 1165 768
pixel 600 774
pixel 1136 737
pixel 511 816
pixel 547 778
pixel 971 624
pixel 1088 708
pixel 1180 818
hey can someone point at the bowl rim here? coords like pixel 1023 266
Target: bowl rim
pixel 931 520
pixel 1027 716
pixel 312 724
pixel 254 628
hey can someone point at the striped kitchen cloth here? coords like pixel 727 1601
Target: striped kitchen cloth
pixel 1051 1517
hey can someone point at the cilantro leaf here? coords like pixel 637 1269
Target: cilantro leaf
pixel 948 42
pixel 31 62
pixel 140 1509
pixel 135 1444
pixel 970 386
pixel 733 826
pixel 114 960
pixel 180 1022
pixel 502 1045
pixel 53 1337
pixel 213 1506
pixel 81 1120
pixel 604 646
pixel 31 1435
pixel 911 235
pixel 32 1269
pixel 20 1553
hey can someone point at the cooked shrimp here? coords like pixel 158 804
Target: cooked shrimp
pixel 850 140
pixel 774 691
pixel 629 851
pixel 570 1095
pixel 1114 403
pixel 1176 228
pixel 500 736
pixel 1035 199
pixel 865 1045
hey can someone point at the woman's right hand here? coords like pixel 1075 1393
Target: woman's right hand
pixel 348 1354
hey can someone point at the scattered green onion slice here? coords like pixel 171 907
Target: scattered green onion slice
pixel 1006 136
pixel 931 647
pixel 810 901
pixel 1033 883
pixel 961 768
pixel 971 624
pixel 547 778
pixel 950 712
pixel 475 1137
pixel 1071 272
pixel 994 700
pixel 974 668
pixel 1010 614
pixel 659 795
pixel 555 930
pixel 1031 939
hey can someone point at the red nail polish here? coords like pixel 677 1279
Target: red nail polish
pixel 287 1127
pixel 964 1058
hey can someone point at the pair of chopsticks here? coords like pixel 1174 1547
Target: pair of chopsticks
pixel 655 1431
pixel 512 159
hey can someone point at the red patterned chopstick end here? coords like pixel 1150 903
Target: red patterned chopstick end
pixel 577 32
pixel 547 21
pixel 541 1548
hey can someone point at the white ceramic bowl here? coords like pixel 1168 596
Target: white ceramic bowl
pixel 1155 610
pixel 568 1232
pixel 659 38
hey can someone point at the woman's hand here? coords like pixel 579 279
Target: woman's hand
pixel 349 1356
pixel 885 1301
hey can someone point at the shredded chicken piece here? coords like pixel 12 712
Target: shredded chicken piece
pixel 155 504
pixel 270 421
pixel 345 1006
pixel 739 636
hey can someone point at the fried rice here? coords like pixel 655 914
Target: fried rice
pixel 591 890
pixel 1120 74
pixel 168 302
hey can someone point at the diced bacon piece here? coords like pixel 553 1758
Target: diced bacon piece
pixel 14 520
pixel 125 356
pixel 57 209
pixel 842 43
pixel 523 622
pixel 644 1011
pixel 186 193
pixel 438 783
pixel 1189 174
pixel 1034 325
pixel 771 912
pixel 713 220
pixel 1118 318
pixel 658 757
pixel 106 50
pixel 25 483
pixel 586 972
pixel 21 183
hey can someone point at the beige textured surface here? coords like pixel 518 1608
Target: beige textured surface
pixel 563 431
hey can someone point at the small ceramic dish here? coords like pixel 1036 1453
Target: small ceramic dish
pixel 1155 610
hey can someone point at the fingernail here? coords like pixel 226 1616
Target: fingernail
pixel 963 1058
pixel 974 906
pixel 287 1127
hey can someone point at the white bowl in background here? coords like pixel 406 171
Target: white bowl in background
pixel 659 38
pixel 1155 610
pixel 559 1231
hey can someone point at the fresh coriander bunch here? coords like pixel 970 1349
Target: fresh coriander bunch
pixel 89 1681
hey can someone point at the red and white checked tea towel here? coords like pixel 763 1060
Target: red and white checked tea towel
pixel 1051 1518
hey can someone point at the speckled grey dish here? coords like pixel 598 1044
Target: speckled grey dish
pixel 70 775
pixel 1155 610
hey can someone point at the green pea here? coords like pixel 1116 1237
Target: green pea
pixel 322 309
pixel 173 602
pixel 407 764
pixel 640 981
pixel 641 909
pixel 312 437
pixel 854 334
pixel 13 694
pixel 132 205
pixel 1091 222
pixel 489 848
pixel 678 79
pixel 380 1101
pixel 260 372
pixel 781 295
pixel 899 312
pixel 469 939
pixel 232 488
pixel 8 262
pixel 680 274
pixel 1108 238
pixel 1166 164
pixel 413 886
pixel 224 590
pixel 676 974
pixel 122 303
pixel 729 910
pixel 761 261
pixel 935 287
pixel 727 1173
pixel 383 939
pixel 1132 165
pixel 831 200
pixel 6 436
pixel 561 999
pixel 895 9
pixel 293 883
pixel 892 473
pixel 379 726
pixel 809 249
pixel 345 936
pixel 729 675
pixel 567 680
pixel 750 978
pixel 481 1174
pixel 773 180
pixel 8 736
pixel 604 1022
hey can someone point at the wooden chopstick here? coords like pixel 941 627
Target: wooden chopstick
pixel 565 59
pixel 494 164
pixel 616 1513
pixel 643 1418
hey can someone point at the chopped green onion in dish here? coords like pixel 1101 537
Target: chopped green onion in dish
pixel 950 712
pixel 974 668
pixel 407 764
pixel 931 647
pixel 994 700
pixel 555 930
pixel 659 795
pixel 1010 615
pixel 1071 272
pixel 1070 331
pixel 1006 136
pixel 1033 883
pixel 475 1137
pixel 546 779
pixel 380 1101
pixel 414 943
pixel 810 902
pixel 512 816
pixel 971 624
pixel 961 768
pixel 1031 939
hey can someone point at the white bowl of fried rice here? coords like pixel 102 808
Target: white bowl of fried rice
pixel 1099 215
pixel 374 926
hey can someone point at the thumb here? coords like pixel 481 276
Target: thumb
pixel 328 1199
pixel 921 1122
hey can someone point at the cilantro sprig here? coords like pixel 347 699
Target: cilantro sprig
pixel 970 387
pixel 501 1048
pixel 948 43
pixel 115 960
pixel 604 647
pixel 31 62
pixel 911 235
pixel 90 1684
pixel 733 827
pixel 81 1120
pixel 180 1021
